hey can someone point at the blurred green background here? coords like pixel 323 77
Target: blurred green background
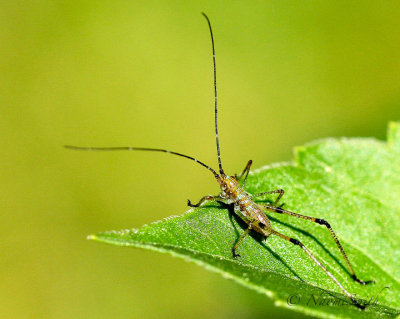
pixel 114 73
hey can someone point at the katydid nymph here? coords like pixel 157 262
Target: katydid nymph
pixel 252 213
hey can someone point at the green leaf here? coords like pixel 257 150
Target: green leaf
pixel 354 184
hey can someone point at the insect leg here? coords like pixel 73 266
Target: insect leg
pixel 203 199
pixel 319 264
pixel 246 232
pixel 281 192
pixel 245 173
pixel 327 225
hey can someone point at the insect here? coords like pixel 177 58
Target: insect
pixel 233 192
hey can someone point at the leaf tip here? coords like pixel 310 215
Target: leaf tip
pixel 393 134
pixel 91 237
pixel 299 153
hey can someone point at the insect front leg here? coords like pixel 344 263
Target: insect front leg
pixel 281 192
pixel 204 199
pixel 245 173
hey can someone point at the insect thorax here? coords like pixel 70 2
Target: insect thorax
pixel 244 205
pixel 231 189
pixel 234 193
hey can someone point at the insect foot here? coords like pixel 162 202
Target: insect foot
pixel 362 282
pixel 189 203
pixel 234 254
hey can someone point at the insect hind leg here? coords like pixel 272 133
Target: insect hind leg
pixel 320 265
pixel 322 222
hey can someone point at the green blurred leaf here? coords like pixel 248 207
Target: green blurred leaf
pixel 353 183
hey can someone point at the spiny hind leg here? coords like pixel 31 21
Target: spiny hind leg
pixel 319 264
pixel 204 199
pixel 281 192
pixel 245 173
pixel 332 233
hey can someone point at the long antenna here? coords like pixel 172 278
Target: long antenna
pixel 130 148
pixel 221 171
